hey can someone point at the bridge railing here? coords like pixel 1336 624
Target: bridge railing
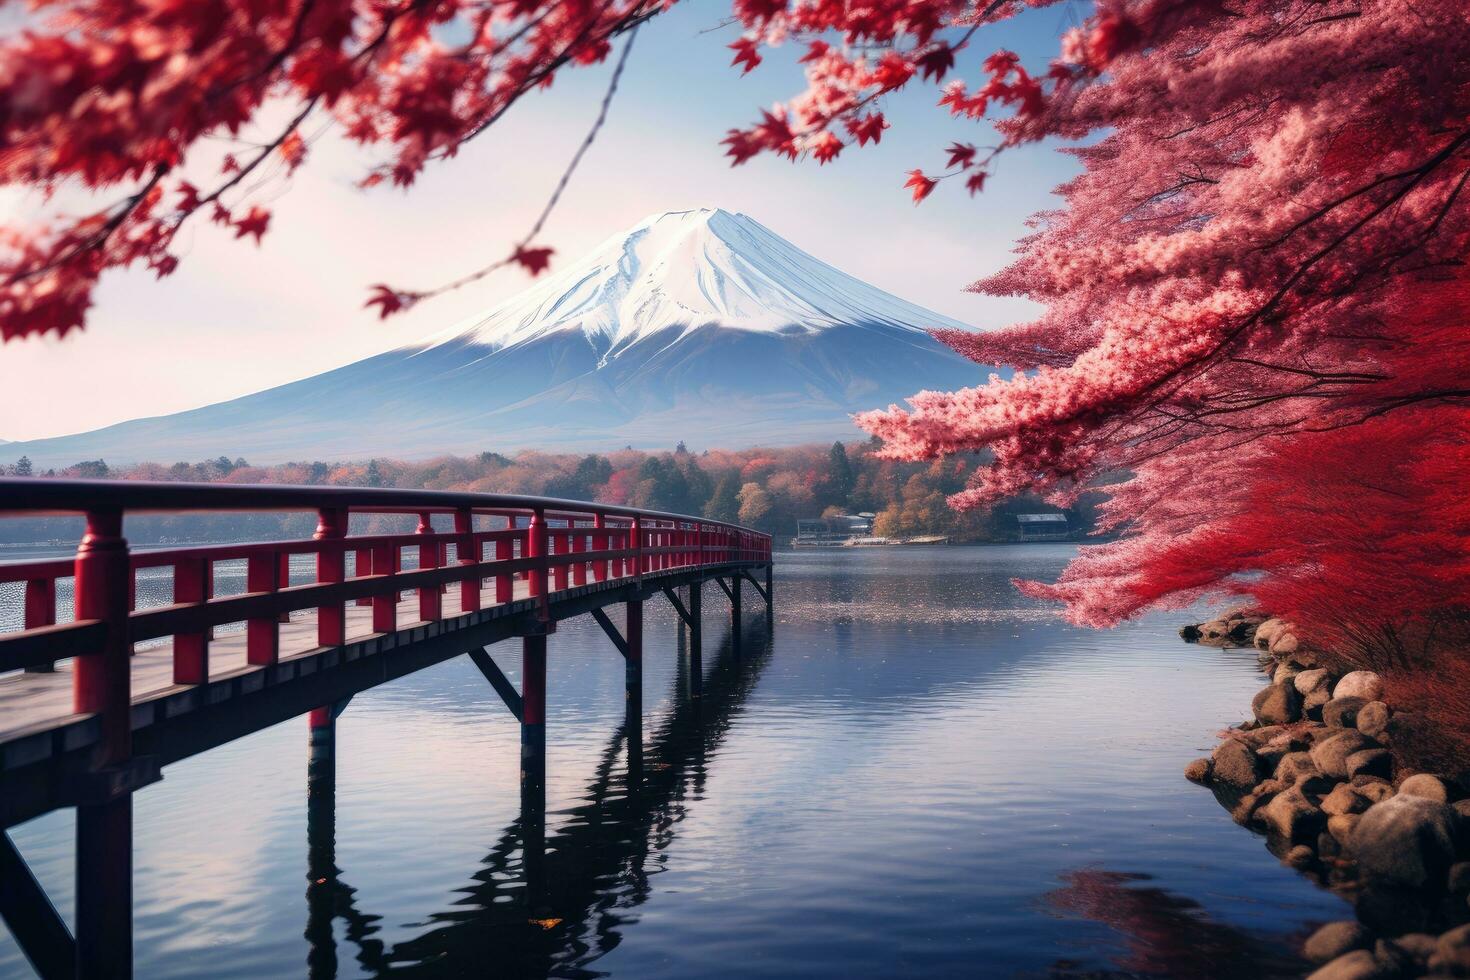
pixel 551 545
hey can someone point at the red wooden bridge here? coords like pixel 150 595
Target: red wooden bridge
pixel 91 710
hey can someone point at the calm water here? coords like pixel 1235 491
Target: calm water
pixel 921 774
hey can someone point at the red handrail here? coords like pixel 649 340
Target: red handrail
pixel 551 543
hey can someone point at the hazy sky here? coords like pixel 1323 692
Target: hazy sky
pixel 236 318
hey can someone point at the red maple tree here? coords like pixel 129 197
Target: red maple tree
pixel 1254 294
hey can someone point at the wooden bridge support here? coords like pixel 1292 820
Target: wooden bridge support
pixel 321 857
pixel 533 721
pixel 691 620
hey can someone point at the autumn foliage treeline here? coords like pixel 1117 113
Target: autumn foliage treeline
pixel 767 489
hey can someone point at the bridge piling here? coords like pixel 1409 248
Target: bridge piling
pixel 533 719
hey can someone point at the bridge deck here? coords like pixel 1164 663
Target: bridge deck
pixel 32 702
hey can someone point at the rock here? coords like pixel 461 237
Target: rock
pixel 1425 785
pixel 1235 765
pixel 1300 857
pixel 1198 771
pixel 1370 762
pixel 1393 959
pixel 1357 965
pixel 1343 799
pixel 1189 634
pixel 1316 700
pixel 1309 680
pixel 1277 748
pixel 1419 945
pixel 1405 840
pixel 1245 808
pixel 1266 632
pixel 1327 845
pixel 1291 816
pixel 1335 939
pixel 1262 734
pixel 1278 704
pixel 1341 827
pixel 1342 712
pixel 1330 755
pixel 1372 788
pixel 1458 880
pixel 1451 954
pixel 1284 643
pixel 1294 766
pixel 1360 684
pixel 1285 674
pixel 1373 719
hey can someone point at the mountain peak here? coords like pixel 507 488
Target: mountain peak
pixel 685 270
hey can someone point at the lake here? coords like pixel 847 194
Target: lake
pixel 917 773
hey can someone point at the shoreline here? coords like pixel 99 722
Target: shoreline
pixel 1320 770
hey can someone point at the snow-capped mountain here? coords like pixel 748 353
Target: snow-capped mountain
pixel 695 325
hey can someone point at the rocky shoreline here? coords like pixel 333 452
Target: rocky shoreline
pixel 1317 770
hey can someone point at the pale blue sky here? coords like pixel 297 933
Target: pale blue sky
pixel 235 318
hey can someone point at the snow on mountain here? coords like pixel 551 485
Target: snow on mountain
pixel 695 325
pixel 689 269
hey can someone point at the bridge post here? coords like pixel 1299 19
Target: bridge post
pixel 40 610
pixel 533 721
pixel 633 687
pixel 466 552
pixel 331 566
pixel 321 863
pixel 536 548
pixel 430 607
pixel 735 613
pixel 696 639
pixel 102 685
pixel 599 543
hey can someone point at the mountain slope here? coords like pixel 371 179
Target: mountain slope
pixel 697 325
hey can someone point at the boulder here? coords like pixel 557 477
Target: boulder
pixel 1286 674
pixel 1341 826
pixel 1189 633
pixel 1342 712
pixel 1330 755
pixel 1391 910
pixel 1277 748
pixel 1198 771
pixel 1370 762
pixel 1313 703
pixel 1406 841
pixel 1425 785
pixel 1283 643
pixel 1373 719
pixel 1309 680
pixel 1262 734
pixel 1335 939
pixel 1357 965
pixel 1372 788
pixel 1343 799
pixel 1393 959
pixel 1294 766
pixel 1290 815
pixel 1327 845
pixel 1266 632
pixel 1458 880
pixel 1419 945
pixel 1278 704
pixel 1300 857
pixel 1360 684
pixel 1235 765
pixel 1451 956
pixel 1246 807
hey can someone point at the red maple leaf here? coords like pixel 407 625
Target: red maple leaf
pixel 746 53
pixel 922 185
pixel 390 300
pixel 869 127
pixel 975 183
pixel 254 223
pixel 960 155
pixel 826 147
pixel 533 260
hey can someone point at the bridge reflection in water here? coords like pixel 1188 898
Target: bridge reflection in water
pixel 540 905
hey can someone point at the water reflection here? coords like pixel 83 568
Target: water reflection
pixel 542 905
pixel 1166 935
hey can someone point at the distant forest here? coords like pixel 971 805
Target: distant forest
pixel 769 489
